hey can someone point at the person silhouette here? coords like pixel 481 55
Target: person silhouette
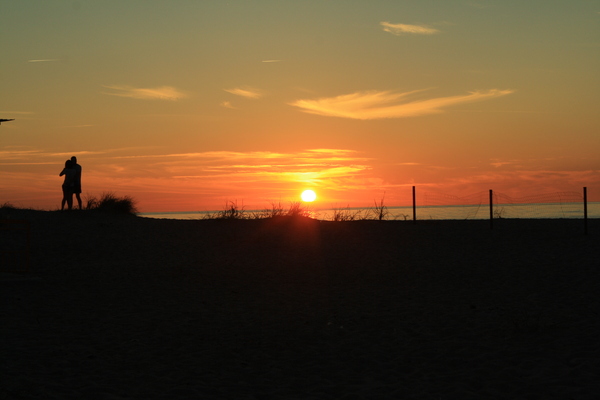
pixel 68 184
pixel 77 181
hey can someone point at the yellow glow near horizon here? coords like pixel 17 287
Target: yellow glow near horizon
pixel 308 196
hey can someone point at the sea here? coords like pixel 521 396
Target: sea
pixel 460 212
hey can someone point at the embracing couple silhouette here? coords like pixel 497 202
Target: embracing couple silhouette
pixel 72 183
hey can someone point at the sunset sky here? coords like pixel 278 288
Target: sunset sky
pixel 187 104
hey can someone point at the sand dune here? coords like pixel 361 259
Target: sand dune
pixel 132 308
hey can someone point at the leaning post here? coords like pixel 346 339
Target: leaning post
pixel 491 209
pixel 414 204
pixel 585 217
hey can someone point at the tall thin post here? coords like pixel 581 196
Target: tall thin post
pixel 585 218
pixel 491 209
pixel 414 204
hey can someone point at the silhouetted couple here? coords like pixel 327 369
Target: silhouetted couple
pixel 72 184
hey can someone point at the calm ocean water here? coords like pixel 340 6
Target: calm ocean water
pixel 553 210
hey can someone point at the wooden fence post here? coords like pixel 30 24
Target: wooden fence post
pixel 414 205
pixel 491 209
pixel 585 217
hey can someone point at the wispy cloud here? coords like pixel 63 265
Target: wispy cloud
pixel 261 168
pixel 386 104
pixel 248 92
pixel 296 158
pixel 315 166
pixel 158 93
pixel 78 126
pixel 79 153
pixel 502 163
pixel 271 61
pixel 43 60
pixel 400 29
pixel 227 104
pixel 17 154
pixel 37 157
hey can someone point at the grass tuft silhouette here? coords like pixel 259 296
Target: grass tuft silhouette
pixel 109 202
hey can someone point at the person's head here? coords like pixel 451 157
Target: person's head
pixel 68 164
pixel 74 159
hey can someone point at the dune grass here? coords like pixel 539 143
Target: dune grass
pixel 380 211
pixel 233 210
pixel 109 202
pixel 346 214
pixel 7 206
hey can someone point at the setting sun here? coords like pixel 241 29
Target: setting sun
pixel 308 196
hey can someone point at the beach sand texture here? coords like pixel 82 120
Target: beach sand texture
pixel 119 307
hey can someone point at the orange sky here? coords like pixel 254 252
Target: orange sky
pixel 187 105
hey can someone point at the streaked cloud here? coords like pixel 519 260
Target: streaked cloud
pixel 37 157
pixel 43 60
pixel 79 153
pixel 158 93
pixel 386 104
pixel 519 183
pixel 17 154
pixel 78 126
pixel 400 29
pixel 247 92
pixel 295 158
pixel 502 163
pixel 324 167
pixel 271 61
pixel 530 163
pixel 227 104
pixel 257 168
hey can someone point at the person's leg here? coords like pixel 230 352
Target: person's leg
pixel 70 200
pixel 64 200
pixel 78 196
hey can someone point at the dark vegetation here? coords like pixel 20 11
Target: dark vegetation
pixel 107 203
pixel 233 210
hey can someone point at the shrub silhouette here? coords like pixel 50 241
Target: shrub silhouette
pixel 109 202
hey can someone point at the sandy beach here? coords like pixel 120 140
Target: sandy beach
pixel 122 307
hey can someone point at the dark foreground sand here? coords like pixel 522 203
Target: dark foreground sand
pixel 133 308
